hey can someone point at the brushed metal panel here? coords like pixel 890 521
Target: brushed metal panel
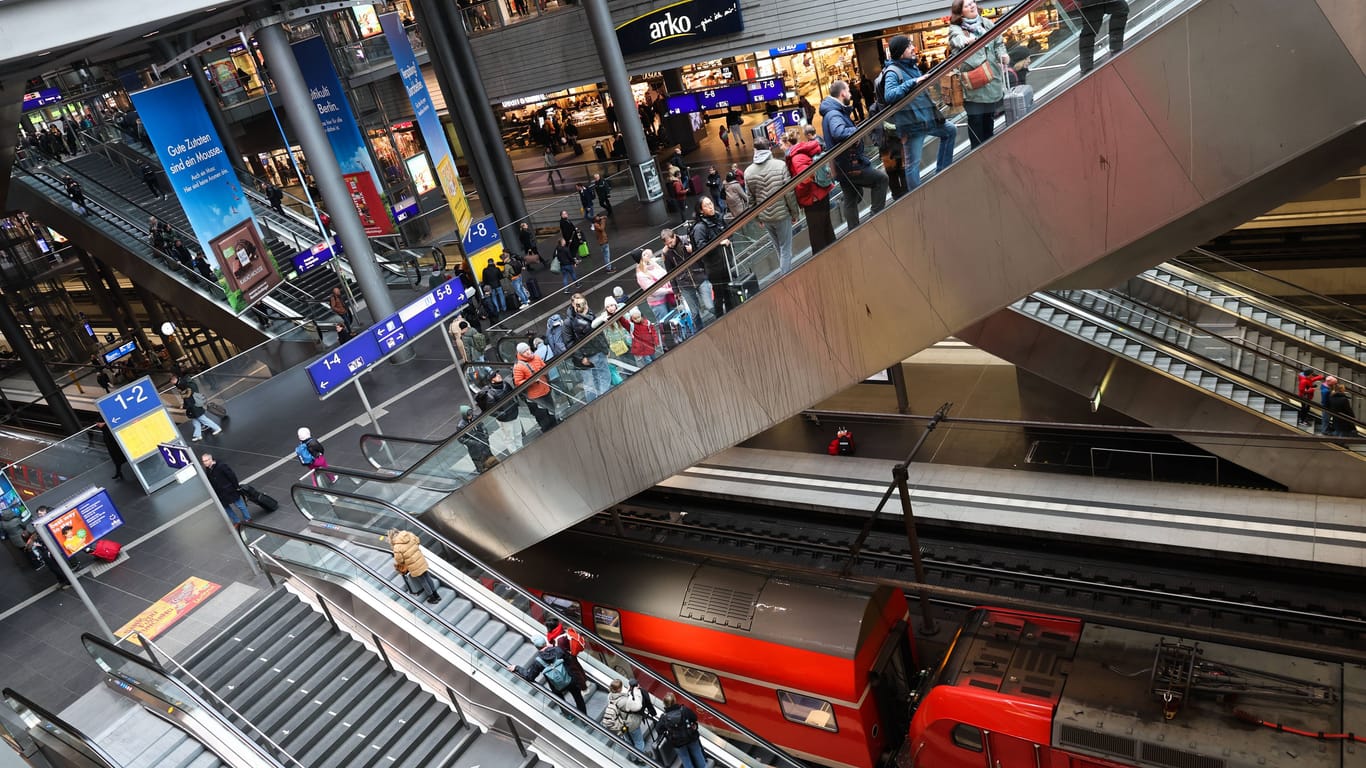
pixel 1016 215
pixel 1349 18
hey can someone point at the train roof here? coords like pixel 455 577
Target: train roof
pixel 1108 707
pixel 753 603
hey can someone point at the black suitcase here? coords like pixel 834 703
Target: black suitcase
pixel 263 500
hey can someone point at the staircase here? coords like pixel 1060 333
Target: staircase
pixel 326 700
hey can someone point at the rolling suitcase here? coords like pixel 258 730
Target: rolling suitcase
pixel 106 550
pixel 1018 101
pixel 263 500
pixel 217 408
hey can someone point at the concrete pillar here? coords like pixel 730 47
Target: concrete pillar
pixel 619 86
pixel 37 369
pixel 308 130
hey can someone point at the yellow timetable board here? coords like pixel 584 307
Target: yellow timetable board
pixel 141 436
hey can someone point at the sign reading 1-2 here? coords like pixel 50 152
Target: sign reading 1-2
pixel 125 405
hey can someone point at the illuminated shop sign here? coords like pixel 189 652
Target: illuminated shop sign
pixel 678 23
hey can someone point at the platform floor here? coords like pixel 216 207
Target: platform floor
pixel 1286 527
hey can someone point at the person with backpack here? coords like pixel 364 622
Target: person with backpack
pixel 194 405
pixel 476 441
pixel 540 399
pixel 813 194
pixel 494 392
pixel 1305 385
pixel 76 193
pixel 678 726
pixel 853 170
pixel 843 444
pixel 409 561
pixel 556 665
pixel 919 119
pixel 309 451
pixel 622 715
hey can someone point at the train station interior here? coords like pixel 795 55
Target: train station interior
pixel 709 383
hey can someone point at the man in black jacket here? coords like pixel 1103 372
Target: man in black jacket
pixel 708 227
pixel 228 489
pixel 678 725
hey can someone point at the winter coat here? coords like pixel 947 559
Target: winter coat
pixel 801 156
pixel 1305 384
pixel 764 177
pixel 580 326
pixel 1341 403
pixel 527 366
pixel 224 482
pixel 623 709
pixel 920 115
pixel 644 338
pixel 838 126
pixel 705 230
pixel 673 259
pixel 408 557
pixel 737 199
pixel 646 277
pixel 13 528
pixel 191 410
pixel 992 53
pixel 556 337
pixel 495 393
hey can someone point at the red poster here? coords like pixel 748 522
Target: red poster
pixel 368 203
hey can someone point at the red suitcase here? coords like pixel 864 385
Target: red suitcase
pixel 107 550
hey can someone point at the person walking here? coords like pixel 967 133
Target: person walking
pixel 227 487
pixel 551 169
pixel 111 445
pixel 409 561
pixel 76 193
pixel 276 197
pixel 678 726
pixel 735 123
pixel 603 188
pixel 567 261
pixel 102 378
pixel 556 664
pixel 1091 13
pixel 337 303
pixel 540 399
pixel 918 120
pixel 813 194
pixel 194 405
pixel 983 73
pixel 310 450
pixel 600 231
pixel 853 170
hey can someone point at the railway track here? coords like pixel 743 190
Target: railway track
pixel 1208 600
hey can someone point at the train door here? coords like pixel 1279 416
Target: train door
pixel 1011 752
pixel 891 679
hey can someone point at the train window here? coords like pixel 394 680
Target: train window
pixel 565 606
pixel 699 683
pixel 808 710
pixel 607 623
pixel 967 737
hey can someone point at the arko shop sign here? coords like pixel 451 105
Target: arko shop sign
pixel 680 22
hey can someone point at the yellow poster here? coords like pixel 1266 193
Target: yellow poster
pixel 174 606
pixel 455 194
pixel 140 437
pixel 481 259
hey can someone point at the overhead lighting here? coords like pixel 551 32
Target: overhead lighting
pixel 45 53
pixel 153 32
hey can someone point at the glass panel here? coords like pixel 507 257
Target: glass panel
pixel 607 622
pixel 967 737
pixel 807 710
pixel 700 683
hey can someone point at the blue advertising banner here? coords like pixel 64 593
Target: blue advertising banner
pixel 358 170
pixel 201 174
pixel 427 120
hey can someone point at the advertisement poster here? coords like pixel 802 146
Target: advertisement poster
pixel 201 174
pixel 245 262
pixel 89 519
pixel 172 607
pixel 334 110
pixel 10 501
pixel 367 20
pixel 427 120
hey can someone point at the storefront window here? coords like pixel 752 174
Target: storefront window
pixel 406 139
pixel 279 169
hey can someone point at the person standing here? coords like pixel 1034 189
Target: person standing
pixel 517 277
pixel 194 405
pixel 853 169
pixel 1092 13
pixel 765 176
pixel 409 561
pixel 492 278
pixel 676 251
pixel 856 110
pixel 678 725
pixel 527 237
pixel 1340 405
pixel 592 358
pixel 603 188
pixel 919 119
pixel 540 399
pixel 648 272
pixel 622 713
pixel 338 304
pixel 986 66
pixel 644 337
pixel 709 227
pixel 111 445
pixel 276 197
pixel 76 193
pixel 1326 391
pixel 555 663
pixel 1305 385
pixel 227 487
pixel 600 231
pixel 565 258
pixel 813 194
pixel 149 177
pixel 102 378
pixel 586 199
pixel 737 199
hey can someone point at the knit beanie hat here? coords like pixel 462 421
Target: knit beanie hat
pixel 898 45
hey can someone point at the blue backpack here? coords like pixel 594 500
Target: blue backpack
pixel 557 675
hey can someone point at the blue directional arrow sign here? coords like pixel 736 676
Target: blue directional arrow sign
pixel 389 333
pixel 480 235
pixel 176 456
pixel 344 363
pixel 124 405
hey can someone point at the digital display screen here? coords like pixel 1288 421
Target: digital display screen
pixel 123 350
pixel 89 520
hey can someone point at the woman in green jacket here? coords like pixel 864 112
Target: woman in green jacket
pixel 985 101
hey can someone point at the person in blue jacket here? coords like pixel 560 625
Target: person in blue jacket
pixel 920 118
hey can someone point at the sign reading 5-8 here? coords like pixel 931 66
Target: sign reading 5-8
pixel 125 405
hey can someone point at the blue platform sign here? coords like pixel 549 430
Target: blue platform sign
pixel 389 333
pixel 344 363
pixel 176 456
pixel 441 302
pixel 124 405
pixel 315 256
pixel 481 234
pixel 123 350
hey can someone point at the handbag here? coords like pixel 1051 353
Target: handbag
pixel 583 250
pixel 978 76
pixel 555 266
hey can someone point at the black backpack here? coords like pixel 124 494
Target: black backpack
pixel 675 729
pixel 314 447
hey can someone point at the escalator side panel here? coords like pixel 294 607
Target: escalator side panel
pixel 1090 177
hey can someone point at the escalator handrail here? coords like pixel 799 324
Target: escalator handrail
pixel 739 222
pixel 1191 359
pixel 523 593
pixel 555 701
pixel 1273 299
pixel 83 743
pixel 1164 317
pixel 88 639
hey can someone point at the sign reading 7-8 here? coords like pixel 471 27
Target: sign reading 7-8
pixel 124 405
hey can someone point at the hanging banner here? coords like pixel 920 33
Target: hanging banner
pixel 201 174
pixel 679 22
pixel 334 110
pixel 427 120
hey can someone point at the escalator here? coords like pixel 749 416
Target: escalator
pixel 1144 158
pixel 481 624
pixel 44 739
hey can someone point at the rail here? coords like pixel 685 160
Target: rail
pixel 35 716
pixel 1358 315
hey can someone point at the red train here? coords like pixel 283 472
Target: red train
pixel 1025 690
pixel 822 671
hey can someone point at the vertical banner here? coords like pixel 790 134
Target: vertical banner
pixel 201 174
pixel 334 109
pixel 427 120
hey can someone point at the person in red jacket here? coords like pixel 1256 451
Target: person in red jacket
pixel 811 196
pixel 843 444
pixel 1305 387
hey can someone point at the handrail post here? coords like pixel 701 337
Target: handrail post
pixel 516 734
pixel 383 654
pixel 455 702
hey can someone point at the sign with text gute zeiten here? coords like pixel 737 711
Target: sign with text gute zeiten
pixel 680 22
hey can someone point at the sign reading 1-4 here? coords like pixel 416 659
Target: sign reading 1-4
pixel 124 405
